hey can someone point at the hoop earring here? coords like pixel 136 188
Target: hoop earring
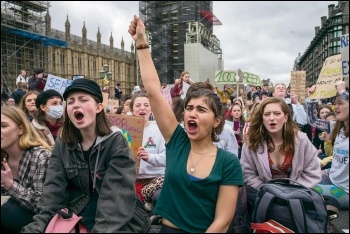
pixel 215 134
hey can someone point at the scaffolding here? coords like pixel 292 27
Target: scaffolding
pixel 167 23
pixel 23 39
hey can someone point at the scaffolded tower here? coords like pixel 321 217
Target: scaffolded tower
pixel 23 38
pixel 167 23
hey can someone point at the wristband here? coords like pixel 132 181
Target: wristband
pixel 142 46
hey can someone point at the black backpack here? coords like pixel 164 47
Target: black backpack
pixel 241 219
pixel 296 207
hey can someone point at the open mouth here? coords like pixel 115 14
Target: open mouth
pixel 192 126
pixel 272 125
pixel 78 115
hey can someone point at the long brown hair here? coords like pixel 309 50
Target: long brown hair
pixel 258 134
pixel 71 134
pixel 338 126
pixel 22 103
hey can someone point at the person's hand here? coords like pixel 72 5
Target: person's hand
pixel 340 86
pixel 311 90
pixel 142 154
pixel 6 176
pixel 294 98
pixel 137 31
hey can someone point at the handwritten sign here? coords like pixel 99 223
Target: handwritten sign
pixel 344 45
pixel 57 83
pixel 167 95
pixel 132 128
pixel 232 77
pixel 331 72
pixel 185 87
pixel 298 84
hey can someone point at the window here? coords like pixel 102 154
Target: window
pixel 80 69
pixel 62 63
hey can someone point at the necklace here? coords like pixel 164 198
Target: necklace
pixel 192 169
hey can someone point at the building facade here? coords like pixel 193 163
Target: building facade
pixel 28 41
pixel 326 42
pixel 169 26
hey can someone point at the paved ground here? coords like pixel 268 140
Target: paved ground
pixel 342 222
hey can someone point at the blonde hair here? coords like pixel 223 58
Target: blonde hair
pixel 29 138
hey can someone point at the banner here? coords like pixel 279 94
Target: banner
pixel 298 84
pixel 344 45
pixel 331 72
pixel 167 95
pixel 185 87
pixel 57 83
pixel 132 128
pixel 232 77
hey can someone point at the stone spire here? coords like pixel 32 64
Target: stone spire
pixel 98 39
pixel 111 42
pixel 122 44
pixel 84 35
pixel 132 47
pixel 48 23
pixel 67 26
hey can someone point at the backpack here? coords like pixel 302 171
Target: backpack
pixel 294 206
pixel 65 221
pixel 241 219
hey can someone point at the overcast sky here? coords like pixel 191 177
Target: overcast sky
pixel 263 38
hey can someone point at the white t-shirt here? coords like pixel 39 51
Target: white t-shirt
pixel 154 144
pixel 339 173
pixel 20 78
pixel 228 140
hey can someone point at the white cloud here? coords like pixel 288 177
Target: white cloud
pixel 263 38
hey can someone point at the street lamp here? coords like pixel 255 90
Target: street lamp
pixel 106 75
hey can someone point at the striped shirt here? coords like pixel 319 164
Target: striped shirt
pixel 32 173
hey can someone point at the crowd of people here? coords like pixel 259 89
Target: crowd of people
pixel 62 151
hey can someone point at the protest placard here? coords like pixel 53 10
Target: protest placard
pixel 132 128
pixel 331 72
pixel 57 83
pixel 298 84
pixel 232 77
pixel 344 45
pixel 167 95
pixel 185 87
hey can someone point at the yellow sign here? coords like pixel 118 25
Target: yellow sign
pixel 331 72
pixel 132 128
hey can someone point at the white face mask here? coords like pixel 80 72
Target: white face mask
pixel 55 112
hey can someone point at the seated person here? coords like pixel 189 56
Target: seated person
pixel 25 158
pixel 277 149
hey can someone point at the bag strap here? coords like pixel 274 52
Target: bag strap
pixel 65 213
pixel 296 209
pixel 262 207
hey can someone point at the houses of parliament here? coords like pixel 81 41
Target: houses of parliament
pixel 28 41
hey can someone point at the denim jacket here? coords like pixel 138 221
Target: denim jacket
pixel 67 183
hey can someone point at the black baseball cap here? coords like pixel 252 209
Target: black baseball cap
pixel 46 95
pixel 85 85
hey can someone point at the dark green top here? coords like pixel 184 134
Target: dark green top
pixel 190 205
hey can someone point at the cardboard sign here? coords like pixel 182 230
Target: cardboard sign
pixel 185 87
pixel 331 72
pixel 298 84
pixel 167 95
pixel 132 128
pixel 57 83
pixel 344 45
pixel 232 77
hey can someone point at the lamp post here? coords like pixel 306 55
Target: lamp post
pixel 106 75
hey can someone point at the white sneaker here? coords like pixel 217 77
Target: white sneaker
pixel 149 206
